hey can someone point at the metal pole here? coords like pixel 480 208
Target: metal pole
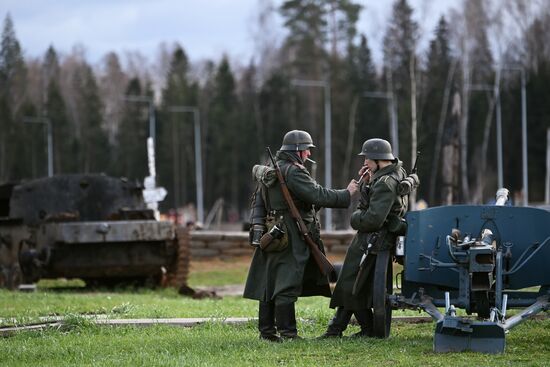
pixel 50 147
pixel 499 129
pixel 499 144
pixel 198 156
pixel 524 138
pixel 328 153
pixel 198 167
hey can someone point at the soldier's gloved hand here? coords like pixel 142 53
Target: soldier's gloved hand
pixel 353 188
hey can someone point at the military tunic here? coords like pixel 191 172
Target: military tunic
pixel 380 200
pixel 285 275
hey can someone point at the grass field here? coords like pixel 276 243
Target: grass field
pixel 215 344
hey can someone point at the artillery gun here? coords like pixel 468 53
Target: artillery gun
pixel 88 226
pixel 482 259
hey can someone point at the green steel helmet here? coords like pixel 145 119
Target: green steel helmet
pixel 377 149
pixel 297 140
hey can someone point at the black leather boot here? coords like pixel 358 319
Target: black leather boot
pixel 266 322
pixel 365 320
pixel 338 324
pixel 285 320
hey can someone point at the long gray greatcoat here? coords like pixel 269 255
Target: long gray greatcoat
pixel 291 273
pixel 371 215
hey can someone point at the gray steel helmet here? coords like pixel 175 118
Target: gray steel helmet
pixel 377 149
pixel 297 140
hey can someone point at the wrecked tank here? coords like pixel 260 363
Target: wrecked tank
pixel 88 226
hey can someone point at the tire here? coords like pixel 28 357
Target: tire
pixel 382 288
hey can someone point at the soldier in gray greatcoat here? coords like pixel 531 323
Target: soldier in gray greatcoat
pixel 380 210
pixel 281 273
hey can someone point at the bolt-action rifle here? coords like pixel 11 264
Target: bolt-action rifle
pixel 320 259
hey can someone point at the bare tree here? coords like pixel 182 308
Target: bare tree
pixel 450 159
pixel 440 129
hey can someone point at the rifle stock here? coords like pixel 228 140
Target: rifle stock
pixel 320 259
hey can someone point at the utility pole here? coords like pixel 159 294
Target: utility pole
pixel 198 156
pixel 49 137
pixel 328 136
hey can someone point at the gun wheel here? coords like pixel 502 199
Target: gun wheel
pixel 382 287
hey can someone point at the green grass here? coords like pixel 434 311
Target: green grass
pixel 218 273
pixel 215 344
pixel 123 304
pixel 219 345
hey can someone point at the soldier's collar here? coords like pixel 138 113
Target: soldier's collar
pixel 290 156
pixel 388 169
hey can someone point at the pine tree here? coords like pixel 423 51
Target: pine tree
pixel 344 68
pixel 94 147
pixel 251 126
pixel 307 25
pixel 12 98
pixel 112 85
pixel 223 138
pixel 438 90
pixel 131 147
pixel 55 110
pixel 480 104
pixel 176 163
pixel 367 117
pixel 275 109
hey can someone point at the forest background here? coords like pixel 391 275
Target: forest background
pixel 243 109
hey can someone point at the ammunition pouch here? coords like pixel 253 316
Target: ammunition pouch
pixel 381 241
pixel 396 225
pixel 276 237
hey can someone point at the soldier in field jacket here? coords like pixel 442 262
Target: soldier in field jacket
pixel 378 215
pixel 284 270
